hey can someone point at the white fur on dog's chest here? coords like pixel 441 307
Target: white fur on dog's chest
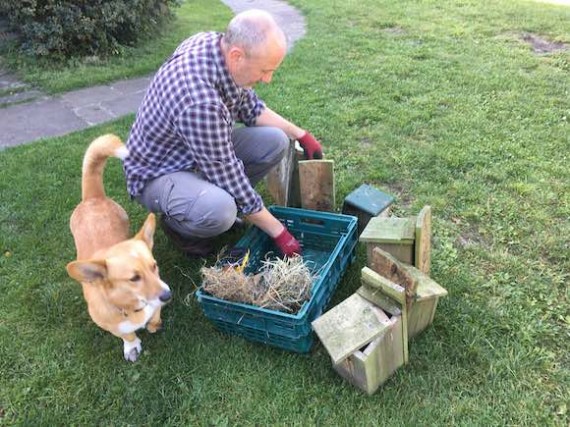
pixel 127 326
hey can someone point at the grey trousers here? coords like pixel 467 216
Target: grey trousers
pixel 194 207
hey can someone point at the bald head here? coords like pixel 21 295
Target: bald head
pixel 252 30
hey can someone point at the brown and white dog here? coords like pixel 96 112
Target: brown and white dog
pixel 119 275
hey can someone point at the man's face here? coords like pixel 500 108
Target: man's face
pixel 248 70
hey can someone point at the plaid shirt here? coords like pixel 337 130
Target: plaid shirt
pixel 186 119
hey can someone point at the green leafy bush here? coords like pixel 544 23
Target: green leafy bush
pixel 62 29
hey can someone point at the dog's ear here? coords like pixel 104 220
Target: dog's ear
pixel 146 233
pixel 87 271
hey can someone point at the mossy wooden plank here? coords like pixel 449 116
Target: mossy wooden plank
pixel 424 286
pixel 316 180
pixel 420 316
pixel 363 366
pixel 393 352
pixel 294 197
pixel 396 292
pixel 399 343
pixel 389 267
pixel 389 230
pixel 428 288
pixel 404 333
pixel 374 280
pixel 378 298
pixel 433 311
pixel 422 310
pixel 403 253
pixel 422 256
pixel 279 179
pixel 354 371
pixel 349 326
pixel 373 365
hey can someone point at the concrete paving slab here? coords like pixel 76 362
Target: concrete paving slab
pixel 40 119
pixel 94 114
pixel 133 85
pixel 103 103
pixel 127 104
pixel 88 96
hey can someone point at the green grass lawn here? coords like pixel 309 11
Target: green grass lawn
pixel 438 103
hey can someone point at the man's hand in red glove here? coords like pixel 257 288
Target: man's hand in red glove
pixel 312 147
pixel 287 243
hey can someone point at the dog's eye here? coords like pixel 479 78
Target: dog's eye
pixel 135 278
pixel 155 267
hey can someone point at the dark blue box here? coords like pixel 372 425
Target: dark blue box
pixel 366 202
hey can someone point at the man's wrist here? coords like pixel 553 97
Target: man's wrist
pixel 301 134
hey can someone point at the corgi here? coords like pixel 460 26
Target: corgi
pixel 118 274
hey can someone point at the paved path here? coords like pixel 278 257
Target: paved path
pixel 32 115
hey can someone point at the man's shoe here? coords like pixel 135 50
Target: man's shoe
pixel 190 246
pixel 239 226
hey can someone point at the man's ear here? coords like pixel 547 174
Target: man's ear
pixel 236 54
pixel 87 271
pixel 146 233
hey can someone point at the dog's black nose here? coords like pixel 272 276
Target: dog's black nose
pixel 165 296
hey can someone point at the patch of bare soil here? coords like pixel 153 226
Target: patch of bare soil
pixel 541 45
pixel 395 31
pixel 402 196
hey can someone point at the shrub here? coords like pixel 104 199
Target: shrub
pixel 62 29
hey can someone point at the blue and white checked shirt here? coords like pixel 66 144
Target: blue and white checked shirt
pixel 186 120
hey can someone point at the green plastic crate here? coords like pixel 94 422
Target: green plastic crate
pixel 328 241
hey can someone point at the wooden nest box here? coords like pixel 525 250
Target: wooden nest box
pixel 407 239
pixel 366 334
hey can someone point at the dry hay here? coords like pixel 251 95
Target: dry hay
pixel 280 284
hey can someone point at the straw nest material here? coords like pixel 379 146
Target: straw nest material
pixel 280 284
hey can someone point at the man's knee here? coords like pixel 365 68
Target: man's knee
pixel 212 216
pixel 203 222
pixel 192 206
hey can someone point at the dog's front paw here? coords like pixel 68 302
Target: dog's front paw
pixel 153 327
pixel 132 350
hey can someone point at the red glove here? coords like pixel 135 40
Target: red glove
pixel 287 243
pixel 312 147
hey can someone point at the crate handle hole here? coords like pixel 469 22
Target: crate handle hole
pixel 313 221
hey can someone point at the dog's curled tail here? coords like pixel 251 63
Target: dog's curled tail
pixel 94 163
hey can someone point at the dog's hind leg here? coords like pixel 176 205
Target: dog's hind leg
pixel 132 347
pixel 155 322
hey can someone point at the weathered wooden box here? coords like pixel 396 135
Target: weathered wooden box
pixel 407 239
pixel 366 334
pixel 369 367
pixel 393 235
